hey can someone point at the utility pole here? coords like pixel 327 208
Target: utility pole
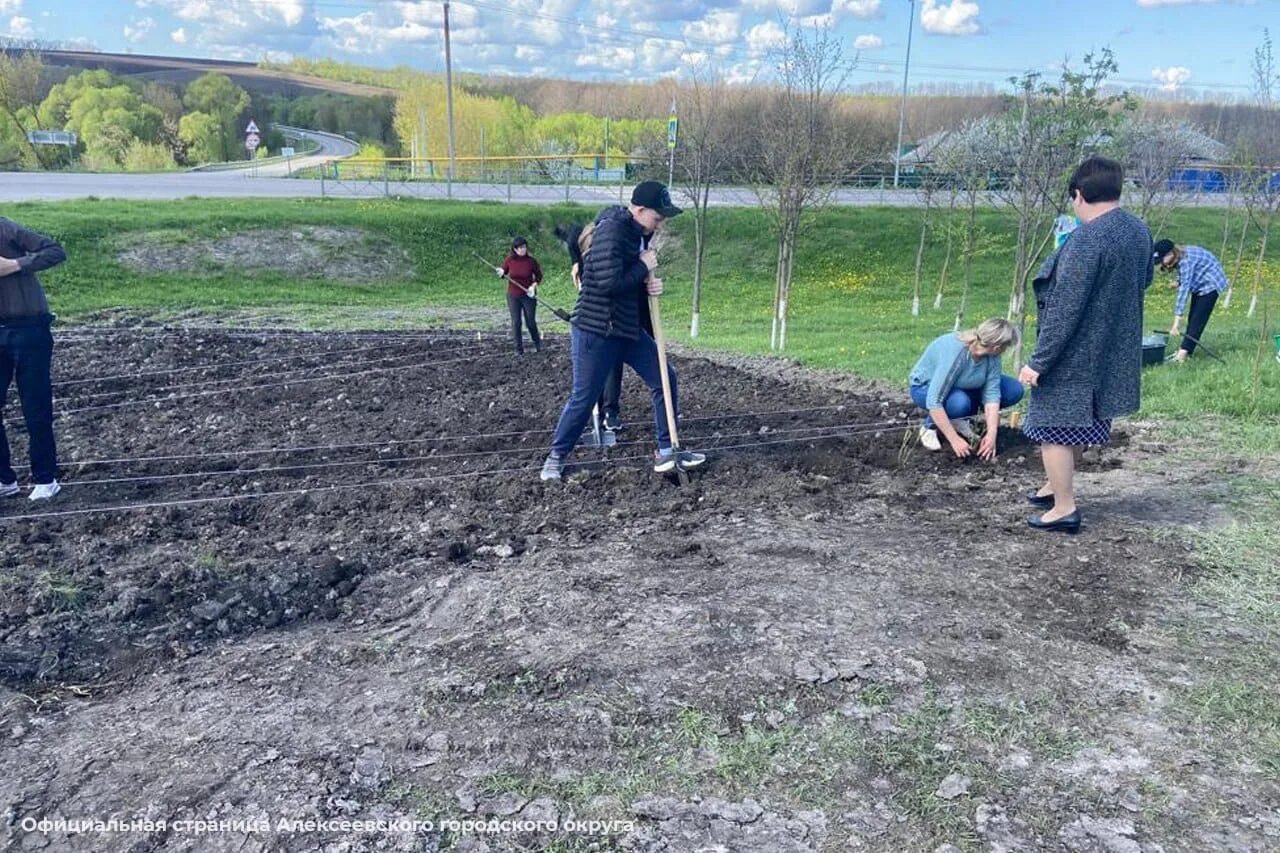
pixel 448 88
pixel 902 109
pixel 424 150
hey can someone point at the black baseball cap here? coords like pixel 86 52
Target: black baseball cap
pixel 1162 248
pixel 655 196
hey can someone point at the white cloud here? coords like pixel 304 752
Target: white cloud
pixel 766 36
pixel 289 11
pixel 803 8
pixel 794 9
pixel 1172 77
pixel 868 42
pixel 179 36
pixel 856 8
pixel 366 34
pixel 717 27
pixel 606 56
pixel 238 13
pixel 138 30
pixel 957 18
pixel 742 73
pixel 20 27
pixel 10 7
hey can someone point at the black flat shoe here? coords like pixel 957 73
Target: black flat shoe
pixel 1045 501
pixel 1066 524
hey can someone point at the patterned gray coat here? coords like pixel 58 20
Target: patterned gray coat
pixel 1089 306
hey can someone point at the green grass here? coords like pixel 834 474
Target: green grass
pixel 850 307
pixel 1243 717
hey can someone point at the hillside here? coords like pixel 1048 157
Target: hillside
pixel 172 69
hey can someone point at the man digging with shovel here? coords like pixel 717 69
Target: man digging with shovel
pixel 606 327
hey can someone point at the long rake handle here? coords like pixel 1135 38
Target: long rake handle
pixel 655 313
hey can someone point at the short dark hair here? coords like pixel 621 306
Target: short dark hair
pixel 1097 179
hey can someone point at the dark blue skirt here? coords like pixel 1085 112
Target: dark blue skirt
pixel 1097 433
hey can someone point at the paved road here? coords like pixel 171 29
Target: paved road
pixel 332 147
pixel 37 186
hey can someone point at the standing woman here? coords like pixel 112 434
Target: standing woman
pixel 26 353
pixel 523 274
pixel 1087 364
pixel 1200 279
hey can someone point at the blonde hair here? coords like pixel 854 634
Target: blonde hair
pixel 996 333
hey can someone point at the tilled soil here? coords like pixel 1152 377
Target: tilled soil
pixel 385 614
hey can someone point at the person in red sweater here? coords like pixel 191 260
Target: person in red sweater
pixel 523 274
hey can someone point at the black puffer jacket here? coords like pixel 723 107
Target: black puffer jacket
pixel 613 277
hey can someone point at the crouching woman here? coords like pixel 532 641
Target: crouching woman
pixel 959 376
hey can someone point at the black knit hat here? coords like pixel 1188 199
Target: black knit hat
pixel 1162 248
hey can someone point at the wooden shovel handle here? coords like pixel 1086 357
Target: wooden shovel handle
pixel 655 314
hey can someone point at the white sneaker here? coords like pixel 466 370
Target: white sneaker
pixel 8 490
pixel 964 429
pixel 44 491
pixel 929 438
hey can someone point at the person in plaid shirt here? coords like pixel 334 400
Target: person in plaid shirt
pixel 1200 280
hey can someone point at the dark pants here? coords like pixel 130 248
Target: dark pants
pixel 26 355
pixel 611 398
pixel 967 402
pixel 527 307
pixel 1197 318
pixel 594 359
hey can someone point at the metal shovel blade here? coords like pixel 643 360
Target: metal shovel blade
pixel 598 436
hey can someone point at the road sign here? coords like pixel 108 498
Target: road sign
pixel 251 141
pixel 286 151
pixel 672 124
pixel 51 137
pixel 252 128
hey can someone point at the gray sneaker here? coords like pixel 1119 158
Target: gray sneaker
pixel 665 461
pixel 8 490
pixel 552 468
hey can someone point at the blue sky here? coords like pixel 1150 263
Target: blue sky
pixel 1187 47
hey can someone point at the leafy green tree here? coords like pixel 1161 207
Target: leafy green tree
pixel 201 133
pixel 19 82
pixel 55 108
pixel 215 95
pixel 105 113
pixel 147 157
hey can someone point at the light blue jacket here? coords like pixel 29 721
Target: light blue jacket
pixel 947 364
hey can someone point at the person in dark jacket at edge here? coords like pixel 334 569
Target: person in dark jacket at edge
pixel 26 353
pixel 578 242
pixel 619 270
pixel 523 275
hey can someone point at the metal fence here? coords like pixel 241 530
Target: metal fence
pixel 536 178
pixel 591 179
